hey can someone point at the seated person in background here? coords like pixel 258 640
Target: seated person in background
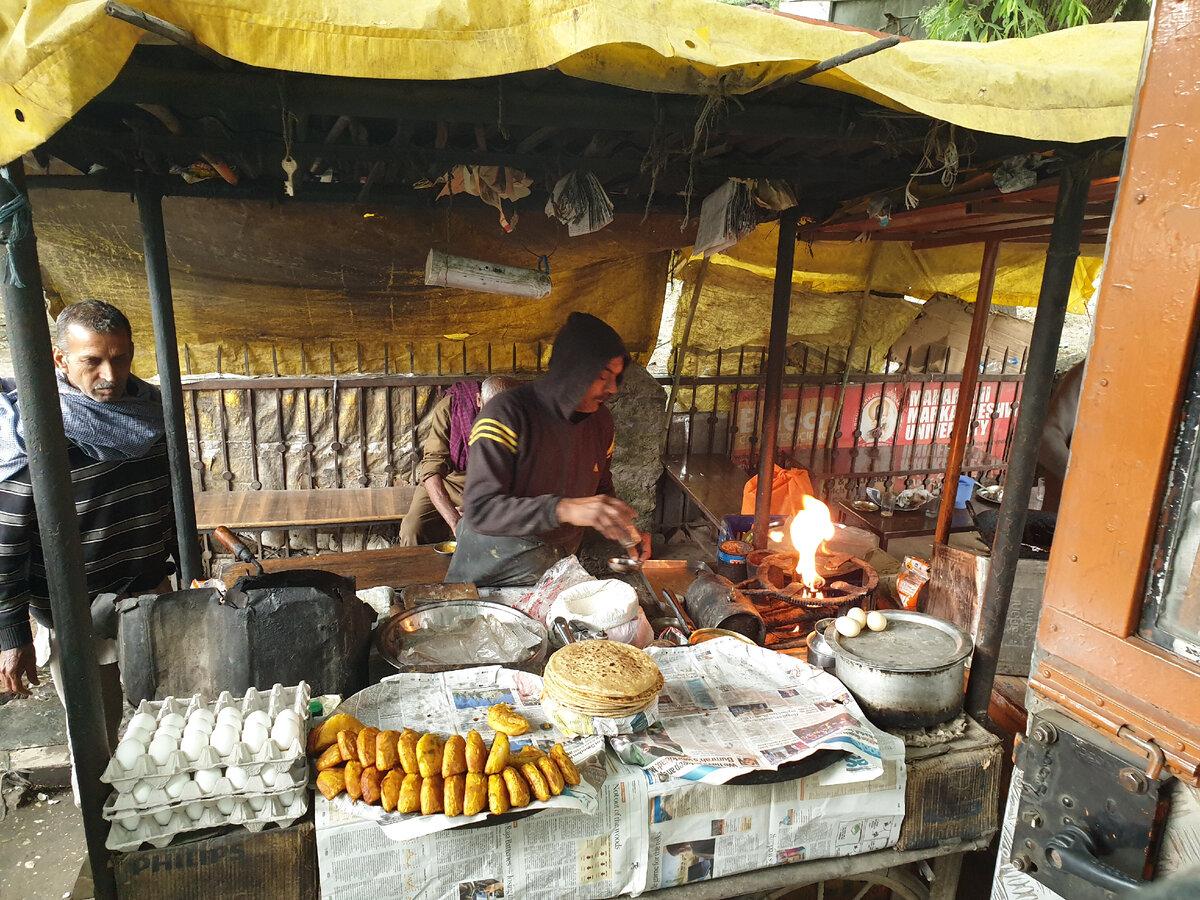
pixel 442 475
pixel 541 457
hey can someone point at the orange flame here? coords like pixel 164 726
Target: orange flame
pixel 810 526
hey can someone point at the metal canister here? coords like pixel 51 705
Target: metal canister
pixel 731 560
pixel 712 602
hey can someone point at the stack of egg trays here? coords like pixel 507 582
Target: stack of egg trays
pixel 160 818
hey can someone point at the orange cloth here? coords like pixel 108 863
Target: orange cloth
pixel 788 490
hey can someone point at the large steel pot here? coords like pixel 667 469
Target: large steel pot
pixel 910 675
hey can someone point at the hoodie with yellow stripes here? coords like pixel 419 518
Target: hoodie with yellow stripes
pixel 530 448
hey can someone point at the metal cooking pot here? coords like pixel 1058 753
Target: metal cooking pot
pixel 911 675
pixel 393 635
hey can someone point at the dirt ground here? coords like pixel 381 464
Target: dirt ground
pixel 41 848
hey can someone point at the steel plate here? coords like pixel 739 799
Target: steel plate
pixel 912 642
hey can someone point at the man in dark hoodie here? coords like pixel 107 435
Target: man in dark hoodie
pixel 540 470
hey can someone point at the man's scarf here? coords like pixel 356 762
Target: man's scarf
pixel 108 432
pixel 464 406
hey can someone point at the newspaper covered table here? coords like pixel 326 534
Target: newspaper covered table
pixel 648 830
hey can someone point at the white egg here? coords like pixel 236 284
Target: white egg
pixel 176 785
pixel 202 715
pixel 858 614
pixel 877 621
pixel 229 714
pixel 144 721
pixel 268 776
pixel 259 716
pixel 141 791
pixel 163 817
pixel 194 811
pixel 288 715
pixel 846 626
pixel 204 728
pixel 237 777
pixel 161 749
pixel 175 720
pixel 129 821
pixel 223 739
pixel 206 779
pixel 287 798
pixel 285 733
pixel 254 736
pixel 171 734
pixel 133 733
pixel 225 806
pixel 256 803
pixel 128 752
pixel 193 745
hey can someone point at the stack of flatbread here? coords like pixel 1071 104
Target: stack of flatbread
pixel 602 678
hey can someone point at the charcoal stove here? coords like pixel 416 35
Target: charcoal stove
pixel 790 607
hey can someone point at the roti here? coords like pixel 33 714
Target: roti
pixel 602 678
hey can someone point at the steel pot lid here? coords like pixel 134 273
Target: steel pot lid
pixel 912 642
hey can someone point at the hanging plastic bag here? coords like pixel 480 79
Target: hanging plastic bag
pixel 788 490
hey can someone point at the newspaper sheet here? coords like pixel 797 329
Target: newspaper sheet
pixel 555 853
pixel 455 703
pixel 728 708
pixel 701 831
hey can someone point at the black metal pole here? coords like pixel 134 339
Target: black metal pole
pixel 54 499
pixel 781 305
pixel 1035 401
pixel 166 350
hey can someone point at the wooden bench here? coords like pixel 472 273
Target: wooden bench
pixel 265 510
pixel 393 566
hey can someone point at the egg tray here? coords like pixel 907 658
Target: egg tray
pixel 120 805
pixel 278 698
pixel 149 831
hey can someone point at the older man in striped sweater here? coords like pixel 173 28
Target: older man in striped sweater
pixel 114 427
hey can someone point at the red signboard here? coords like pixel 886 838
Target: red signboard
pixel 893 414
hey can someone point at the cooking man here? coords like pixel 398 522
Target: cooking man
pixel 114 427
pixel 540 472
pixel 437 502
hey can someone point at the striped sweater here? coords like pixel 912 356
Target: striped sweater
pixel 126 525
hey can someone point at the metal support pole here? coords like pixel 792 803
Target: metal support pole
pixel 166 350
pixel 54 499
pixel 1035 401
pixel 781 305
pixel 682 352
pixel 966 389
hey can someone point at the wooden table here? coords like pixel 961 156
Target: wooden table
pixel 394 567
pixel 902 524
pixel 263 510
pixel 709 480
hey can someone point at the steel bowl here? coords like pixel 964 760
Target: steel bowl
pixel 392 635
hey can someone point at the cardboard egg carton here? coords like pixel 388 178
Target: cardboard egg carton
pixel 121 805
pixel 124 775
pixel 130 828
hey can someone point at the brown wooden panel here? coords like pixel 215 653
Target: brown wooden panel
pixel 283 509
pixel 395 566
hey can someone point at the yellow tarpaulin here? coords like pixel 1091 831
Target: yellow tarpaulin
pixel 834 267
pixel 1074 85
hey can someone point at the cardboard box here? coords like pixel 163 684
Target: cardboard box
pixel 953 790
pixel 273 864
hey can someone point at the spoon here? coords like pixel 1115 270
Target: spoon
pixel 627 565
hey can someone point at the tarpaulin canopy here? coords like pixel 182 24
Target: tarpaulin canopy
pixel 1073 86
pixel 327 289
